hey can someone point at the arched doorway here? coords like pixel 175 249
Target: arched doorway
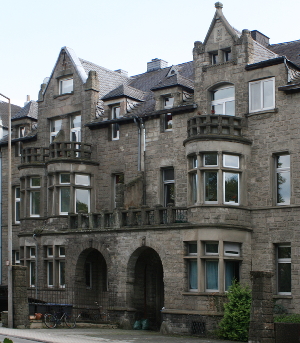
pixel 91 279
pixel 147 289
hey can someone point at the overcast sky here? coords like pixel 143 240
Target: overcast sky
pixel 120 34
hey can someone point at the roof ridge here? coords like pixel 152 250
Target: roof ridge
pixel 293 41
pixel 113 71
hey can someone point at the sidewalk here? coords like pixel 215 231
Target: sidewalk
pixel 79 335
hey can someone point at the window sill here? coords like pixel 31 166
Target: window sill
pixel 61 95
pixel 282 296
pixel 217 293
pixel 250 114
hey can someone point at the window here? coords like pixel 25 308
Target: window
pixel 35 184
pixel 61 274
pixel 61 251
pixel 17 257
pixel 115 114
pixel 215 168
pixel 76 128
pixel 66 85
pixel 223 101
pixel 192 267
pixel 50 281
pixel 21 133
pixel 50 251
pixel 227 55
pixel 88 274
pixel 194 178
pixel 64 194
pixel 214 58
pixel 82 196
pixel 32 274
pixel 168 122
pixel 55 127
pixel 262 95
pixel 32 252
pixel 283 182
pixel 168 186
pixel 117 179
pixel 17 205
pixel 284 284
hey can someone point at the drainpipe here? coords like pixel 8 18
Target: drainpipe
pixel 1 218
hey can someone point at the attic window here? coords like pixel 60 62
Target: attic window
pixel 214 57
pixel 227 55
pixel 66 85
pixel 168 102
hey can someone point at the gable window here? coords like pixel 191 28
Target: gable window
pixel 55 127
pixel 168 186
pixel 283 182
pixel 214 58
pixel 227 55
pixel 262 95
pixel 284 284
pixel 66 85
pixel 223 100
pixel 76 128
pixel 115 114
pixel 35 185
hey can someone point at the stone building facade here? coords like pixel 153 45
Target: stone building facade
pixel 167 185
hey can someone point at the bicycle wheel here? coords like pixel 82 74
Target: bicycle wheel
pixel 70 321
pixel 50 321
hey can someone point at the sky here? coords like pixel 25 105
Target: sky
pixel 120 34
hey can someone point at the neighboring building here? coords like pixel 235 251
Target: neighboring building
pixel 167 185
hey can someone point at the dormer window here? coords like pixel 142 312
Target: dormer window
pixel 115 114
pixel 66 85
pixel 168 102
pixel 214 57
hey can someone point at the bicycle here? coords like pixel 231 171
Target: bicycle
pixel 52 320
pixel 95 315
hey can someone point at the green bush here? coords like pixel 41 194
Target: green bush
pixel 235 323
pixel 290 318
pixel 7 340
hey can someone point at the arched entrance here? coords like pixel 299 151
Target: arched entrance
pixel 91 278
pixel 147 287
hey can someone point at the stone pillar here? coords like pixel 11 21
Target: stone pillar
pixel 261 329
pixel 20 297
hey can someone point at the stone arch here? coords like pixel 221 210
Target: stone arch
pixel 145 285
pixel 91 278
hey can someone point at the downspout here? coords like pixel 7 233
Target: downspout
pixel 0 218
pixel 36 265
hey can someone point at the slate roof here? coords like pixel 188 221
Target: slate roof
pixel 4 111
pixel 262 53
pixel 124 90
pixel 174 80
pixel 30 110
pixel 289 49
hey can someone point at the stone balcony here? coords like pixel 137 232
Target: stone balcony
pixel 57 150
pixel 119 218
pixel 216 127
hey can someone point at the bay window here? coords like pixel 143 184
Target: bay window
pixel 35 201
pixel 75 128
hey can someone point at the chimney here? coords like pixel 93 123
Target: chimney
pixel 27 101
pixel 156 64
pixel 260 38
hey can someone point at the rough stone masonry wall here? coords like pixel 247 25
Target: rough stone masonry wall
pixel 261 328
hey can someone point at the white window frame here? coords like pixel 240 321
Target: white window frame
pixel 166 183
pixel 17 257
pixel 282 260
pixel 261 82
pixel 31 203
pixel 60 263
pixel 238 192
pixel 207 253
pixel 189 263
pixel 76 129
pixel 50 274
pixel 17 201
pixel 279 170
pixel 59 251
pixel 49 254
pixel 115 128
pixel 223 101
pixel 210 165
pixel 53 134
pixel 61 85
pixel 89 198
pixel 168 102
pixel 82 184
pixel 32 252
pixel 232 249
pixel 228 165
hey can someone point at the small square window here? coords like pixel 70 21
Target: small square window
pixel 192 248
pixel 64 178
pixel 61 251
pixel 210 160
pixel 214 58
pixel 262 95
pixel 168 102
pixel 35 182
pixel 49 251
pixel 32 252
pixel 212 248
pixel 231 161
pixel 66 85
pixel 232 249
pixel 82 179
